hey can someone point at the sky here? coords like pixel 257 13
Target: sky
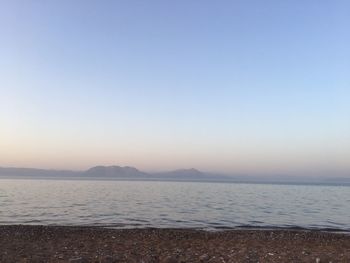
pixel 237 87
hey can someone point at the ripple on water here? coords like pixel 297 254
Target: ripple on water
pixel 173 204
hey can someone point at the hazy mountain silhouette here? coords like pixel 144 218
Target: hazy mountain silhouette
pixel 192 174
pixel 182 173
pixel 34 172
pixel 115 171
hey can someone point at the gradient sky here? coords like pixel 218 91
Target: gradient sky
pixel 256 87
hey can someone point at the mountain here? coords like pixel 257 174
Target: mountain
pixel 339 180
pixel 182 173
pixel 33 172
pixel 127 172
pixel 112 172
pixel 115 172
pixel 190 174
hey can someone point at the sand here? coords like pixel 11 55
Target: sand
pixel 92 244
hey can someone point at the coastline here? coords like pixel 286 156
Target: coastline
pixel 29 243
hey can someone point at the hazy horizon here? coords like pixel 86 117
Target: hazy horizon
pixel 190 173
pixel 235 87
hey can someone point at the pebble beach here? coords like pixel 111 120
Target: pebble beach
pixel 20 243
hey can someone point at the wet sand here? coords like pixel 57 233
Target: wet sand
pixel 89 244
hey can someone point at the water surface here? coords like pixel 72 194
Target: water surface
pixel 173 204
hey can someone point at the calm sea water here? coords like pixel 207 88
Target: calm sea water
pixel 173 204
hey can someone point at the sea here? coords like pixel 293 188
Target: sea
pixel 156 204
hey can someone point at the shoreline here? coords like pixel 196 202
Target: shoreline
pixel 211 229
pixel 38 243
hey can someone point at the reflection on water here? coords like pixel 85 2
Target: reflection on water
pixel 173 204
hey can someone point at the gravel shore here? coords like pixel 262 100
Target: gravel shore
pixel 90 244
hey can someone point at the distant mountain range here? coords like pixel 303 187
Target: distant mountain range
pixel 122 172
pixel 115 171
pixel 131 173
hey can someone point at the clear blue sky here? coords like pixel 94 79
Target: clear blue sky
pixel 229 86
